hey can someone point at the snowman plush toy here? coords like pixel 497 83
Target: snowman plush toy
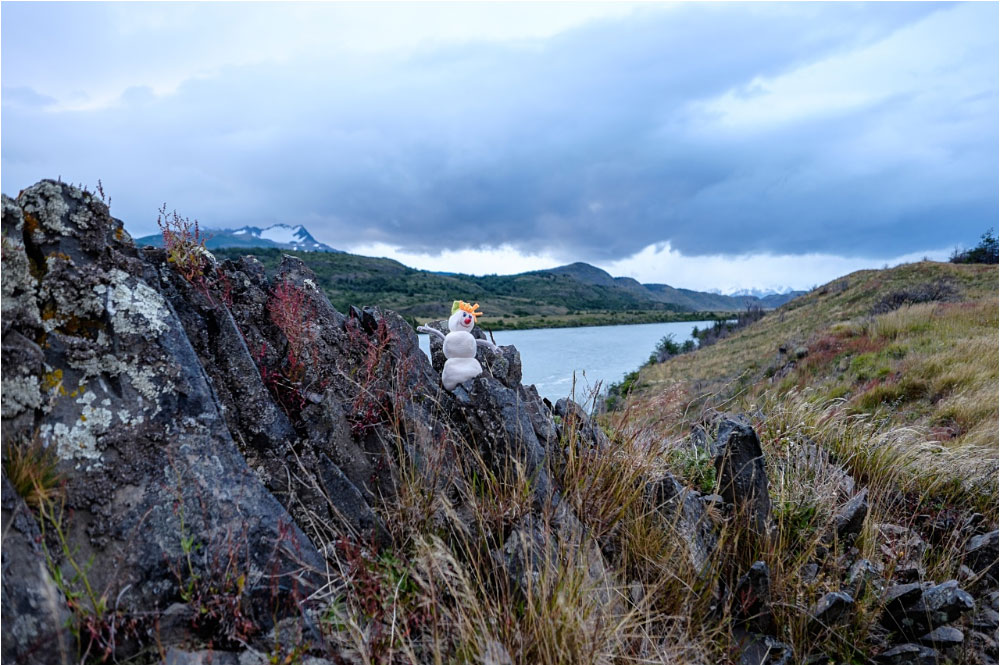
pixel 459 345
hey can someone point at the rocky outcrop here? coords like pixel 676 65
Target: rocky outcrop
pixel 220 433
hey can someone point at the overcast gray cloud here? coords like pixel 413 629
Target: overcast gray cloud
pixel 843 129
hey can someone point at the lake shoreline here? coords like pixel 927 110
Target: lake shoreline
pixel 626 318
pixel 584 360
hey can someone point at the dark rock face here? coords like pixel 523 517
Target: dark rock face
pixel 684 509
pixel 739 463
pixel 765 650
pixel 35 616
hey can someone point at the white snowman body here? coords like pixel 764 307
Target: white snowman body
pixel 460 351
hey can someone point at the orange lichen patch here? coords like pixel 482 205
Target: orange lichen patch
pixel 119 233
pixel 31 223
pixel 54 380
pixel 72 325
pixel 78 327
pixel 60 255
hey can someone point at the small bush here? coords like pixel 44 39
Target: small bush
pixel 695 465
pixel 939 290
pixel 987 252
pixel 31 470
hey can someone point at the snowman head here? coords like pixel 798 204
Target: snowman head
pixel 463 316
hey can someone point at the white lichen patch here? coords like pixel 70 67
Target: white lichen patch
pixel 309 283
pixel 70 304
pixel 19 394
pixel 128 419
pixel 133 308
pixel 18 286
pixel 78 441
pixel 50 215
pixel 142 377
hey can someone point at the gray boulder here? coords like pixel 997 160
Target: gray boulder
pixel 742 478
pixel 981 554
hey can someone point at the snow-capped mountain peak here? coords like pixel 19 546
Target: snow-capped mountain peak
pixel 758 292
pixel 287 236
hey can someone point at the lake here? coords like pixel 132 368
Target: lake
pixel 599 355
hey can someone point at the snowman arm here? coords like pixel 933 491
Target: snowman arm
pixel 428 329
pixel 489 345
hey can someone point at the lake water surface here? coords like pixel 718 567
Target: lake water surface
pixel 598 355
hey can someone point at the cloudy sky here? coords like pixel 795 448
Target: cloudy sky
pixel 702 145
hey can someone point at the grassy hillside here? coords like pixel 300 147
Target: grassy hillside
pixel 888 375
pixel 910 350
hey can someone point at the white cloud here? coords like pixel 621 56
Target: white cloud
pixel 938 56
pixel 661 264
pixel 162 45
pixel 503 260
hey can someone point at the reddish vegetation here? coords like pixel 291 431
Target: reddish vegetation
pixel 290 310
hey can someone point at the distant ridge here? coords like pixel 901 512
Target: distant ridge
pixel 686 299
pixel 281 236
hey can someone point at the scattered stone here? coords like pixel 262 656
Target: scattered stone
pixel 862 575
pixel 831 608
pixel 942 637
pixel 985 644
pixel 808 572
pixel 766 650
pixel 909 653
pixel 898 597
pixel 986 619
pixel 752 598
pixel 981 555
pixel 851 517
pixel 939 605
pixel 177 656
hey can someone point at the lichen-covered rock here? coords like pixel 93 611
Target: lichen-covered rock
pixel 938 605
pixel 125 405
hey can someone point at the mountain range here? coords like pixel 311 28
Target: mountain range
pixel 578 287
pixel 282 236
